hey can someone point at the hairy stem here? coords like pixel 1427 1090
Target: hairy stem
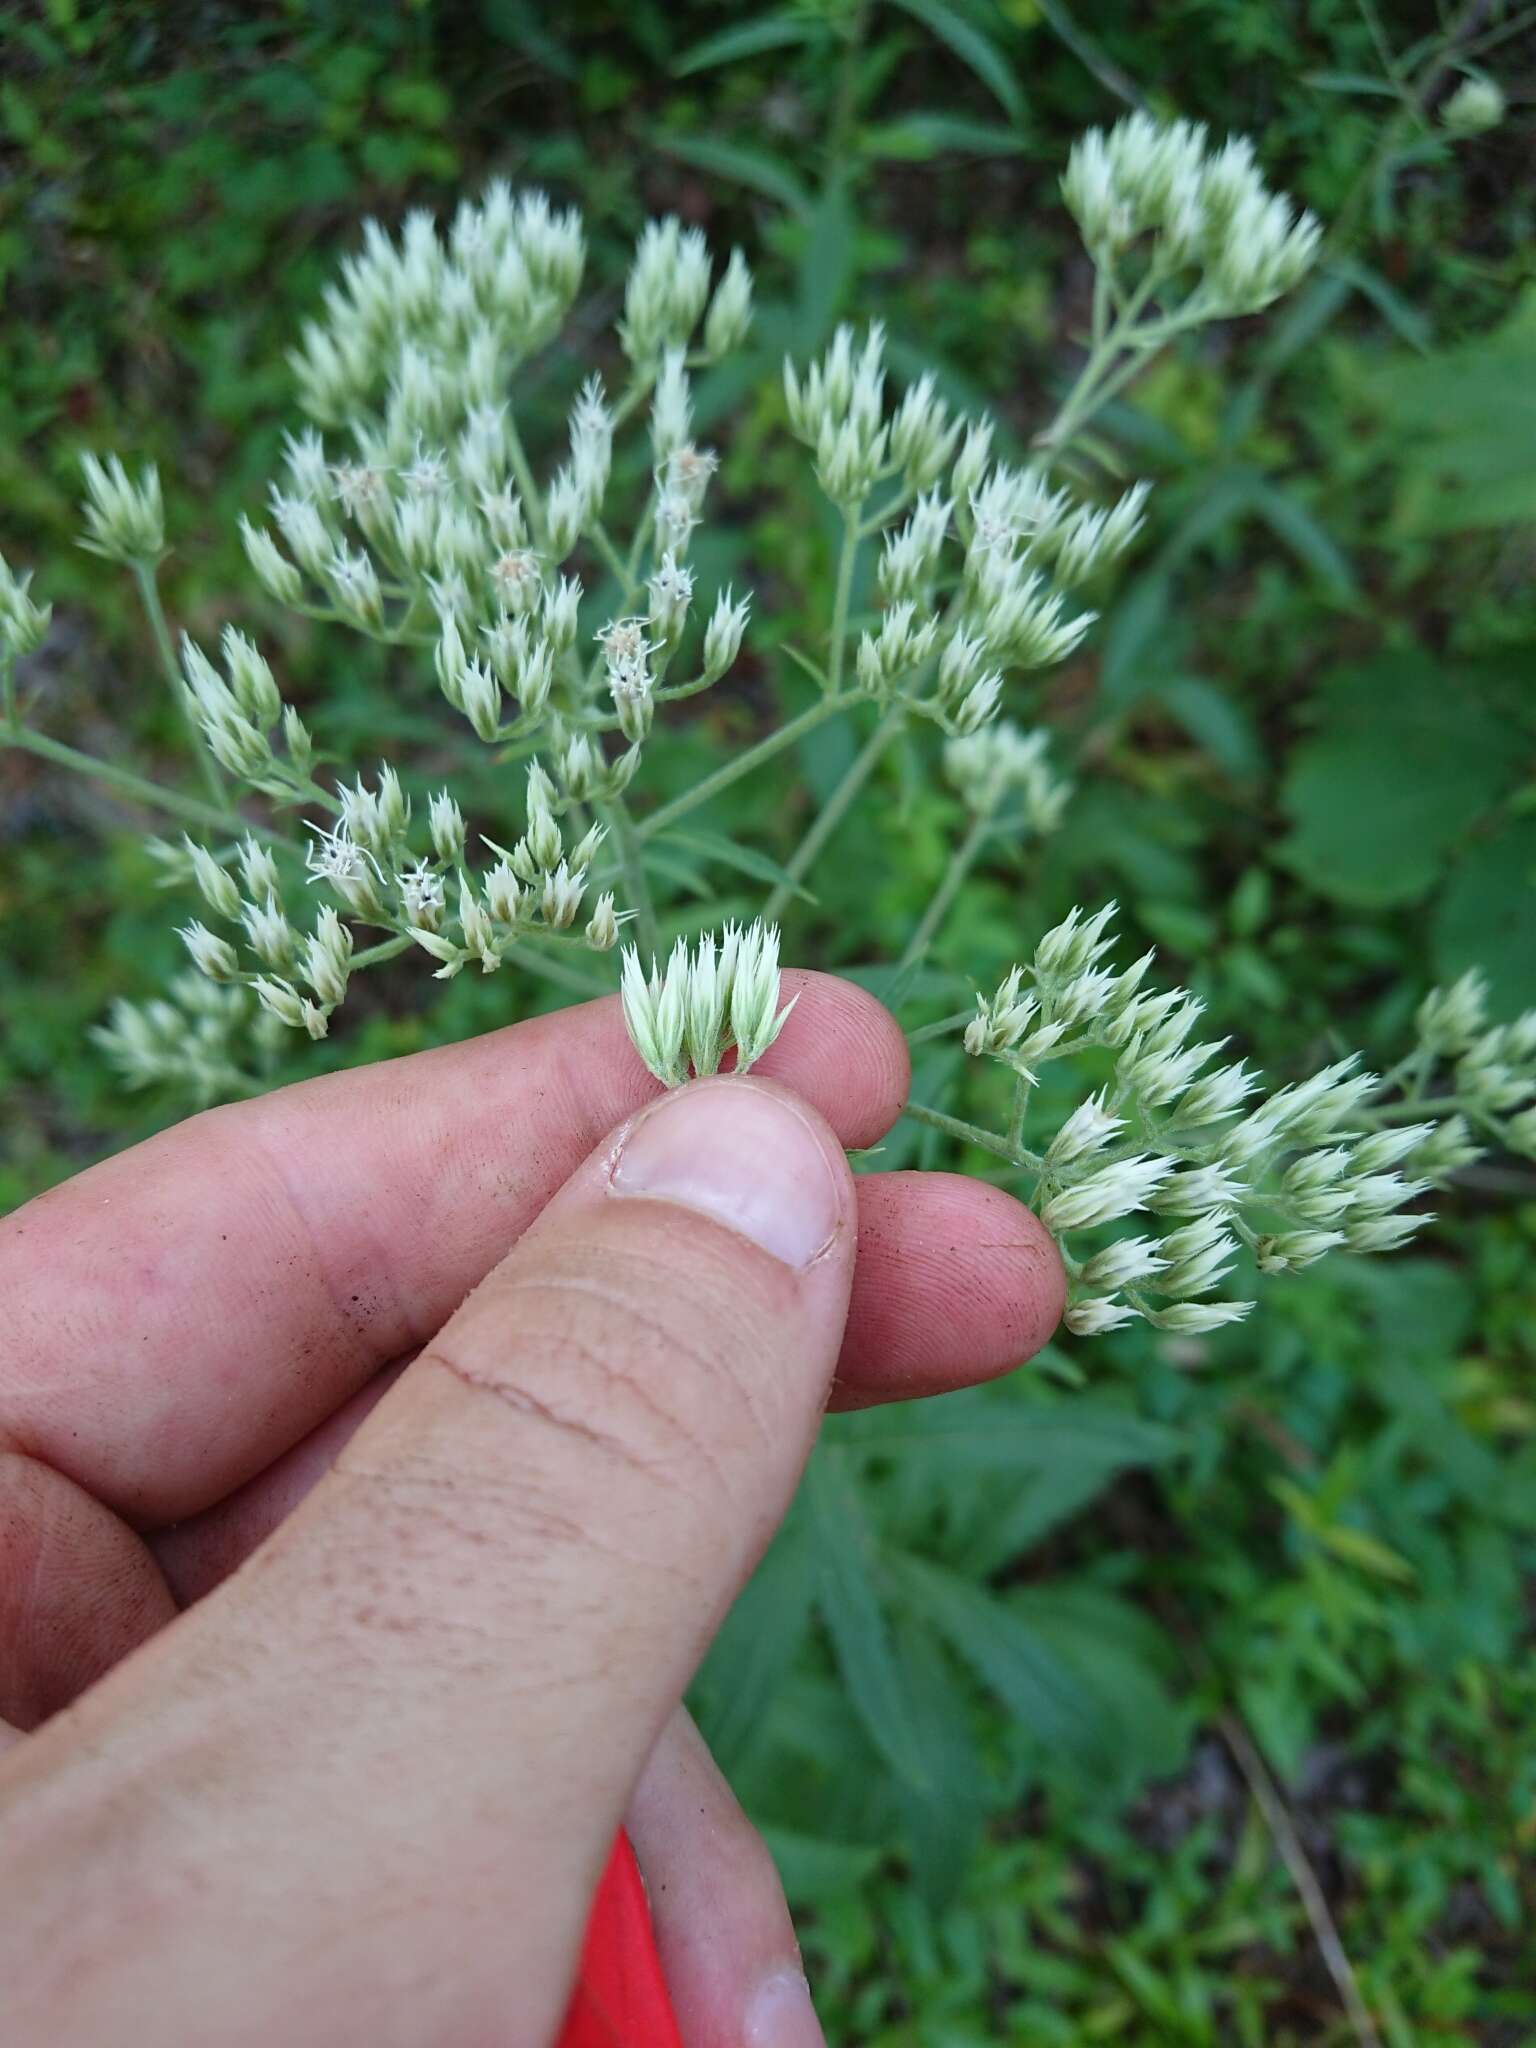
pixel 754 757
pixel 190 809
pixel 835 808
pixel 847 561
pixel 974 1134
pixel 637 890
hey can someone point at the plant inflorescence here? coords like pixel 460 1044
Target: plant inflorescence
pixel 557 606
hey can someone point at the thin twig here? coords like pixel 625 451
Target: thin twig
pixel 1267 1798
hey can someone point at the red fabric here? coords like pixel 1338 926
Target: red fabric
pixel 620 2000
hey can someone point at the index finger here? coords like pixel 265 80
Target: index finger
pixel 180 1315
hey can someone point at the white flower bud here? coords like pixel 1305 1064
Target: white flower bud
pixel 1290 1250
pixel 269 932
pixel 1114 1190
pixel 561 897
pixel 124 520
pixel 1094 1316
pixel 1087 1130
pixel 722 636
pixel 1197 1318
pixel 216 886
pixel 273 570
pixel 480 700
pixel 730 310
pixel 250 680
pixel 211 955
pixel 1124 1263
pixel 282 999
pixel 504 894
pixel 562 605
pixel 671 592
pixel 328 957
pixel 445 823
pixel 671 407
pixel 603 927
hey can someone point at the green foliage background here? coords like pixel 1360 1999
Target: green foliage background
pixel 999 1694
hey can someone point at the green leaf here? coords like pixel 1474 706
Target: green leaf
pixel 746 860
pixel 985 1429
pixel 751 39
pixel 1352 82
pixel 1286 516
pixel 1405 760
pixel 1136 649
pixel 1486 916
pixel 1211 718
pixel 1405 320
pixel 918 137
pixel 945 1820
pixel 758 1642
pixel 849 1602
pixel 825 269
pixel 1003 1651
pixel 813 1871
pixel 744 166
pixel 975 50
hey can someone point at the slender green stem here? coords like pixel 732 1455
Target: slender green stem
pixel 11 716
pixel 192 810
pixel 835 808
pixel 1021 1087
pixel 944 1027
pixel 631 858
pixel 962 860
pixel 154 611
pixel 744 764
pixel 1102 373
pixel 847 561
pixel 387 949
pixel 522 469
pixel 973 1134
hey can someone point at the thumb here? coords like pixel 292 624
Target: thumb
pixel 406 1730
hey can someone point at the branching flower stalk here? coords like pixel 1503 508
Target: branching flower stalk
pixel 1191 1146
pixel 549 596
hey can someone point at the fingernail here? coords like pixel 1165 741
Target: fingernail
pixel 780 2014
pixel 745 1156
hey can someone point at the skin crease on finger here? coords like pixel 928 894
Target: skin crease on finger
pixel 954 1282
pixel 184 1313
pixel 622 1470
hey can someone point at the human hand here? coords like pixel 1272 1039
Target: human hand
pixel 362 1788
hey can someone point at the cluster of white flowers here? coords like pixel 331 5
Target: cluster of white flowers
pixel 1000 761
pixel 214 1042
pixel 124 520
pixel 368 864
pixel 411 511
pixel 1199 208
pixel 723 994
pixel 1021 545
pixel 238 713
pixel 1329 1162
